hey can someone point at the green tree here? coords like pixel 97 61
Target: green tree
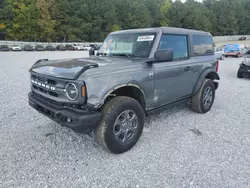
pixel 47 19
pixel 5 11
pixel 226 17
pixel 177 14
pixel 92 20
pixel 197 17
pixel 132 15
pixel 164 9
pixel 22 20
pixel 116 27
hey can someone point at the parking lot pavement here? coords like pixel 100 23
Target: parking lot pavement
pixel 178 148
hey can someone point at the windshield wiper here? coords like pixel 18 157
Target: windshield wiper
pixel 125 55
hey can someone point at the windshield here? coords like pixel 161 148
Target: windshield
pixel 128 44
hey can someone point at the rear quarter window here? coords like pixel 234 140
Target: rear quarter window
pixel 203 45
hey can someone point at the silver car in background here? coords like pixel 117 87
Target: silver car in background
pixel 16 48
pixel 219 52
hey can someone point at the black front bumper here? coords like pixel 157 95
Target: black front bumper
pixel 80 120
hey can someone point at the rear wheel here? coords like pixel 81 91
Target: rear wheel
pixel 203 100
pixel 121 125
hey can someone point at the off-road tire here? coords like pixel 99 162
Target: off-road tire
pixel 111 110
pixel 197 104
pixel 239 74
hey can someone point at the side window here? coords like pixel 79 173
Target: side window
pixel 176 43
pixel 203 45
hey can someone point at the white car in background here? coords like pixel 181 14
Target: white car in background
pixel 78 47
pixel 219 52
pixel 87 48
pixel 16 48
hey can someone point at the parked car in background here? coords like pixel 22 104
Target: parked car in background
pixel 78 47
pixel 236 50
pixel 243 38
pixel 61 48
pixel 4 48
pixel 95 46
pixel 39 48
pixel 219 52
pixel 70 47
pixel 16 48
pixel 50 48
pixel 28 48
pixel 86 48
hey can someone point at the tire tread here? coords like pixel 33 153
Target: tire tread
pixel 196 104
pixel 106 110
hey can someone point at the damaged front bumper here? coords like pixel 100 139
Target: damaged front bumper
pixel 77 119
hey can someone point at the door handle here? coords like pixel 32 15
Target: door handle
pixel 188 68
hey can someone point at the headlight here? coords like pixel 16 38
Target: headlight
pixel 71 91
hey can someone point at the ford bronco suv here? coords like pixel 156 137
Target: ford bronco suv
pixel 134 74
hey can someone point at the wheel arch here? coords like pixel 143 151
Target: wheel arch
pixel 130 90
pixel 210 74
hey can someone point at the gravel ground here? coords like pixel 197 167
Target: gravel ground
pixel 178 148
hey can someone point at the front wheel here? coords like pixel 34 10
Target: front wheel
pixel 121 125
pixel 203 100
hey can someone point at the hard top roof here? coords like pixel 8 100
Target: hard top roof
pixel 167 30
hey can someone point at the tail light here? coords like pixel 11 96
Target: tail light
pixel 217 66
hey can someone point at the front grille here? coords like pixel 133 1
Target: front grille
pixel 43 79
pixel 47 99
pixel 47 86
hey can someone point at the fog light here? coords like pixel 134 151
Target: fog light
pixel 68 120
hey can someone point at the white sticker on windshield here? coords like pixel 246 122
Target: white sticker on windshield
pixel 146 38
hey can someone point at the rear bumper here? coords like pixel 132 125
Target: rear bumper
pixel 232 53
pixel 80 120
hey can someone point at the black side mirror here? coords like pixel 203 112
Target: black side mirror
pixel 91 52
pixel 164 55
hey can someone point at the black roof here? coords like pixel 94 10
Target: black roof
pixel 167 30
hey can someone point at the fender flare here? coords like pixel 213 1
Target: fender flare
pixel 104 97
pixel 206 74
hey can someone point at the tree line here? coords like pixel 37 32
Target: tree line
pixel 92 20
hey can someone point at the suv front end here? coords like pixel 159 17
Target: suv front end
pixel 64 101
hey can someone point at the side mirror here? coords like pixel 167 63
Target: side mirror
pixel 164 55
pixel 91 52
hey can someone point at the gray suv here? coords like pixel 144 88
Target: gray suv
pixel 135 73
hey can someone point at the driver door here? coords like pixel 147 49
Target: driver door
pixel 173 80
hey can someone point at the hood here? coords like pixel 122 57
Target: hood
pixel 73 68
